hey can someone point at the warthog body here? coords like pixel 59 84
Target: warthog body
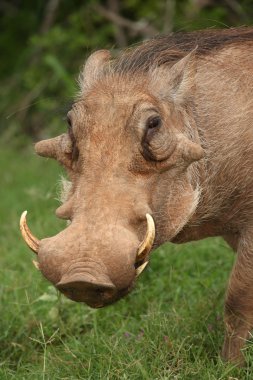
pixel 165 129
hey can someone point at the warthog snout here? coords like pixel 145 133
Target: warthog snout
pixel 99 275
pixel 85 282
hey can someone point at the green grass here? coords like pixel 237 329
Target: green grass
pixel 169 327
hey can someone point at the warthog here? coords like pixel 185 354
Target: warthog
pixel 159 148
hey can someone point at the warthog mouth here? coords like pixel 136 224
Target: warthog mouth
pixel 93 287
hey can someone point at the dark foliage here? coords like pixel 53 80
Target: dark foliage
pixel 45 43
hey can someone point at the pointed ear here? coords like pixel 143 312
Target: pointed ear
pixel 176 83
pixel 93 68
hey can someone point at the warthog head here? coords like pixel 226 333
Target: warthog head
pixel 129 153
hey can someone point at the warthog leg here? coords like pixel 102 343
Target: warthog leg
pixel 239 301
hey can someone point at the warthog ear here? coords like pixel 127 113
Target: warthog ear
pixel 93 69
pixel 177 82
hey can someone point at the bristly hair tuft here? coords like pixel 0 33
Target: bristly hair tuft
pixel 170 48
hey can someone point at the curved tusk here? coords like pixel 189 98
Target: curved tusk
pixel 29 238
pixel 146 245
pixel 36 264
pixel 141 268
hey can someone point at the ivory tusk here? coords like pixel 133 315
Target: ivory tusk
pixel 146 245
pixel 29 238
pixel 36 264
pixel 141 268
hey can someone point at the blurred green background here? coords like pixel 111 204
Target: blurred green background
pixel 171 326
pixel 45 42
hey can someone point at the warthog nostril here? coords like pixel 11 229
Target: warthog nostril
pixel 83 287
pixel 99 292
pixel 93 296
pixel 84 283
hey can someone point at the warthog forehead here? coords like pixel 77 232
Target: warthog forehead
pixel 104 118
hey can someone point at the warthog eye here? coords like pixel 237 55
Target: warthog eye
pixel 154 122
pixel 70 130
pixel 154 139
pixel 152 125
pixel 75 151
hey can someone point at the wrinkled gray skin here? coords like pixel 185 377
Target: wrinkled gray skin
pixel 174 140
